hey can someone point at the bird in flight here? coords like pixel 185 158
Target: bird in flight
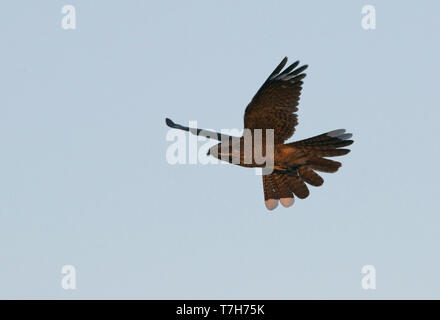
pixel 294 164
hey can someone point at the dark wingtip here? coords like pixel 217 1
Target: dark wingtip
pixel 169 122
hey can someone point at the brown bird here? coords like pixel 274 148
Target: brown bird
pixel 292 164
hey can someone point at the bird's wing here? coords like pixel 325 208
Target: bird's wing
pixel 274 104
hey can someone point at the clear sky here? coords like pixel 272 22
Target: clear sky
pixel 84 179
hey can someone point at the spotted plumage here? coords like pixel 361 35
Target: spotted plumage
pixel 274 106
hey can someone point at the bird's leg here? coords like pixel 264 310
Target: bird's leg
pixel 199 132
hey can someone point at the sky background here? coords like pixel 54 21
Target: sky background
pixel 84 178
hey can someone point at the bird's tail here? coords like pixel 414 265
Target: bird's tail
pixel 282 186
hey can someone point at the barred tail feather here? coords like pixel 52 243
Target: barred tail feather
pixel 283 186
pixel 277 189
pixel 310 176
pixel 336 139
pixel 324 165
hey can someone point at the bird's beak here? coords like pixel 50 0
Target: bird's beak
pixel 208 153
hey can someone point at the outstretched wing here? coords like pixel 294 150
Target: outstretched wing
pixel 274 104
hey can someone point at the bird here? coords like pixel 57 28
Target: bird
pixel 294 164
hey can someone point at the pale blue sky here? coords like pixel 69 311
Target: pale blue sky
pixel 84 179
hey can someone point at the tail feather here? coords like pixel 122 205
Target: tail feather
pixel 328 144
pixel 269 188
pixel 324 165
pixel 310 176
pixel 283 186
pixel 298 186
pixel 335 137
pixel 319 153
pixel 277 189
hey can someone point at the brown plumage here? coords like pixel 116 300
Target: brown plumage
pixel 273 107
